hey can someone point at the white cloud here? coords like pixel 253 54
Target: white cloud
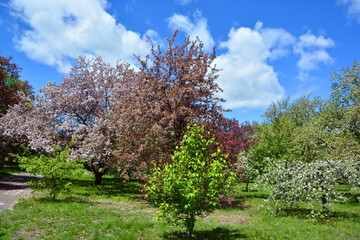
pixel 197 29
pixel 183 2
pixel 60 30
pixel 247 79
pixel 312 52
pixel 277 40
pixel 353 8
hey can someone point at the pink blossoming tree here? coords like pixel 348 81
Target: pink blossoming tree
pixel 77 110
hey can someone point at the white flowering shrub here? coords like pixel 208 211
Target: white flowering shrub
pixel 314 183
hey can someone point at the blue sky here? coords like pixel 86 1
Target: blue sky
pixel 266 49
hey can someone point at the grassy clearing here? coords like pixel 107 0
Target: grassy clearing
pixel 9 170
pixel 116 211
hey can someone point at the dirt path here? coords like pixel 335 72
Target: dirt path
pixel 14 187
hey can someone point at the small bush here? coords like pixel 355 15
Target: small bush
pixel 192 184
pixel 55 170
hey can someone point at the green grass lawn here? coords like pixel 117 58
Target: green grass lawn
pixel 116 210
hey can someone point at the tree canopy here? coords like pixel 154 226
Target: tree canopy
pixel 11 89
pixel 172 88
pixel 77 110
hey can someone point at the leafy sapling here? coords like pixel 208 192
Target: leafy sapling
pixel 55 170
pixel 190 186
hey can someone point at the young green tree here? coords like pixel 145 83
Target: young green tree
pixel 55 171
pixel 191 185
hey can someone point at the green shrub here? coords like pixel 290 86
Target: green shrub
pixel 192 184
pixel 55 170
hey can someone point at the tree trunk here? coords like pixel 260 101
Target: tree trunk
pixel 323 198
pixel 191 228
pixel 325 208
pixel 53 179
pixel 98 177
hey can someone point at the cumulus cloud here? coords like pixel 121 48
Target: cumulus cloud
pixel 312 52
pixel 277 40
pixel 353 8
pixel 247 79
pixel 198 28
pixel 60 30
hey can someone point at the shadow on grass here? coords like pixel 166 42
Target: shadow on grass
pixel 305 213
pixel 298 212
pixel 8 170
pixel 351 216
pixel 216 233
pixel 302 213
pixel 16 182
pixel 352 198
pixel 68 199
pixel 109 188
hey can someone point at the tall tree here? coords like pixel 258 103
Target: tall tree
pixel 346 97
pixel 77 110
pixel 279 136
pixel 174 87
pixel 311 129
pixel 10 86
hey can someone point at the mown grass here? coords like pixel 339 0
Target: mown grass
pixel 116 210
pixel 9 169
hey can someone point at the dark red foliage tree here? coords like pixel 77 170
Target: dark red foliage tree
pixel 10 84
pixel 232 138
pixel 173 88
